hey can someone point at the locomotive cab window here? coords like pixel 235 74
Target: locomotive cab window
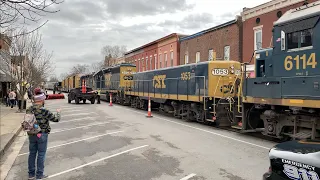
pixel 299 39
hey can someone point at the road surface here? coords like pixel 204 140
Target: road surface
pixel 99 142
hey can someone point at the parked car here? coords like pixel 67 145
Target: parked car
pixel 77 95
pixel 298 160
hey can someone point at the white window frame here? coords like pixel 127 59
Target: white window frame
pixel 165 59
pixel 155 61
pixel 225 57
pixel 210 56
pixel 197 57
pixel 143 66
pixel 160 61
pixel 171 58
pixel 147 63
pixel 255 31
pixel 186 59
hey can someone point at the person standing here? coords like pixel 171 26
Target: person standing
pixel 38 143
pixel 12 98
pixel 7 98
pixel 98 96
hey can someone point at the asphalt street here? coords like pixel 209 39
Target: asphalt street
pixel 102 142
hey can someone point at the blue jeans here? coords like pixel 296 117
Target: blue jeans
pixel 37 145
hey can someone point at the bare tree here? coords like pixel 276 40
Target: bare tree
pixel 112 52
pixel 28 62
pixel 53 79
pixel 63 76
pixel 96 66
pixel 79 69
pixel 15 14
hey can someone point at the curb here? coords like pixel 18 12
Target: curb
pixel 6 147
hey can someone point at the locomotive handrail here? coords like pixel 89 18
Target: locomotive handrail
pixel 239 92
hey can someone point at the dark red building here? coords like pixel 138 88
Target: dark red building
pixel 160 53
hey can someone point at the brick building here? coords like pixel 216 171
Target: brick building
pixel 258 24
pixel 224 39
pixel 160 53
pixel 5 58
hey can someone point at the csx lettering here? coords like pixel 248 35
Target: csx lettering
pixel 185 76
pixel 302 174
pixel 158 81
pixel 290 62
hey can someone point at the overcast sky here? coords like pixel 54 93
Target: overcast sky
pixel 77 33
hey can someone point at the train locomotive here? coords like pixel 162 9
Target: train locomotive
pixel 281 101
pixel 284 97
pixel 88 80
pixel 114 81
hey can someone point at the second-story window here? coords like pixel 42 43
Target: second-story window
pixel 197 57
pixel 165 59
pixel 257 38
pixel 147 63
pixel 171 58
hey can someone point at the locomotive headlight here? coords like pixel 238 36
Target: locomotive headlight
pixel 232 69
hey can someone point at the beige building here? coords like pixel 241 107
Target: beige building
pixel 113 61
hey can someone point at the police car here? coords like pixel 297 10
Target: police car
pixel 298 160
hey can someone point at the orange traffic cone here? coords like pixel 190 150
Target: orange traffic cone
pixel 83 88
pixel 110 100
pixel 149 108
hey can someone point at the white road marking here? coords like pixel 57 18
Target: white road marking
pixel 74 110
pixel 79 119
pixel 203 130
pixel 78 127
pixel 56 105
pixel 102 159
pixel 76 114
pixel 76 141
pixel 188 177
pixel 62 109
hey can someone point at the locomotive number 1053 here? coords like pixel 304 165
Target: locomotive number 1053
pixel 289 62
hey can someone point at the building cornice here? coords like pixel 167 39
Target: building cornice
pixel 248 13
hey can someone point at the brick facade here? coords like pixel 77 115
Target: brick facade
pixel 154 55
pixel 216 39
pixel 267 13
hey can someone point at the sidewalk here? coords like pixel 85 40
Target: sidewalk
pixel 10 126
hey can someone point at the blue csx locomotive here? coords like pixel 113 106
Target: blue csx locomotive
pixel 283 100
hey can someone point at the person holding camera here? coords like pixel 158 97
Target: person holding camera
pixel 38 142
